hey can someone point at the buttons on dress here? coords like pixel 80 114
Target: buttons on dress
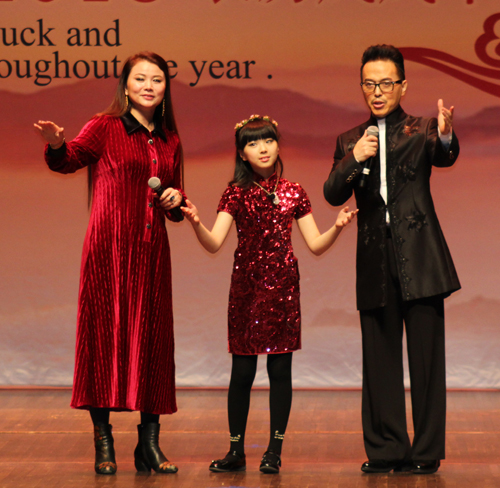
pixel 154 161
pixel 148 226
pixel 150 204
pixel 150 141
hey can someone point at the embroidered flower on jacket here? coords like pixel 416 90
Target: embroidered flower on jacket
pixel 411 129
pixel 416 221
pixel 406 172
pixel 351 144
pixel 367 234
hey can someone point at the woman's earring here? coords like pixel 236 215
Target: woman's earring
pixel 163 110
pixel 126 101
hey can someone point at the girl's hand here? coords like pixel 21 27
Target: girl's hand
pixel 191 212
pixel 345 217
pixel 52 133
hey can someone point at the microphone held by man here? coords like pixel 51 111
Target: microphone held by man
pixel 371 151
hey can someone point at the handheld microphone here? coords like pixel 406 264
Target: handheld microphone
pixel 371 131
pixel 155 184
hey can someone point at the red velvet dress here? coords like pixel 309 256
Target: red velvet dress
pixel 264 300
pixel 125 344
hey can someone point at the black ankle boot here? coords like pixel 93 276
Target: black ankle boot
pixel 105 462
pixel 148 454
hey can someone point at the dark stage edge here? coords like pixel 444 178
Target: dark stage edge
pixel 44 443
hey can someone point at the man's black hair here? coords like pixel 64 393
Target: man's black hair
pixel 384 52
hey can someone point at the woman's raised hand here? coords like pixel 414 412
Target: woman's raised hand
pixel 52 133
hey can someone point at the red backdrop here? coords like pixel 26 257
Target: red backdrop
pixel 297 61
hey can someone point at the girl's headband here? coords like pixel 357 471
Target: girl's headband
pixel 241 124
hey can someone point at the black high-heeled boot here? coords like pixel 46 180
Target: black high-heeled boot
pixel 148 454
pixel 105 462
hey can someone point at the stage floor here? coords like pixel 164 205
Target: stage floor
pixel 44 443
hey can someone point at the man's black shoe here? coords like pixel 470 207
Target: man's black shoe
pixel 425 467
pixel 381 466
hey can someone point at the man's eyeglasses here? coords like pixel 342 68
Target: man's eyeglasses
pixel 385 86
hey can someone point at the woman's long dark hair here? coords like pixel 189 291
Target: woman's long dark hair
pixel 119 105
pixel 255 130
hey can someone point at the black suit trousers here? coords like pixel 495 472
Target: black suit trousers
pixel 383 404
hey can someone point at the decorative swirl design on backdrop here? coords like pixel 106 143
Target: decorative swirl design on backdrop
pixel 487 49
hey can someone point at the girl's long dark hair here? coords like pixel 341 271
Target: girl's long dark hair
pixel 254 130
pixel 120 107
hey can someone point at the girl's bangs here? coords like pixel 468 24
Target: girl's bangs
pixel 255 131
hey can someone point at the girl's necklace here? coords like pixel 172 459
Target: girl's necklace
pixel 272 196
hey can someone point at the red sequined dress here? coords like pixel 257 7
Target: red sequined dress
pixel 264 299
pixel 125 343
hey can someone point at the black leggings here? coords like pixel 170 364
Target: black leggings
pixel 101 416
pixel 279 369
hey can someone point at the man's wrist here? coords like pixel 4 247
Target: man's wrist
pixel 445 138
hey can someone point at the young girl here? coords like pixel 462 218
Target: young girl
pixel 264 307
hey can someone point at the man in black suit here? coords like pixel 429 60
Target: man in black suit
pixel 404 267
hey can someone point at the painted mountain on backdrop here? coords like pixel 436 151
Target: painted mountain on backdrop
pixel 205 115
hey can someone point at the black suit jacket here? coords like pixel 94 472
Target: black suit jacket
pixel 424 262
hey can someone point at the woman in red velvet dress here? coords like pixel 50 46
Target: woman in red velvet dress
pixel 264 301
pixel 125 344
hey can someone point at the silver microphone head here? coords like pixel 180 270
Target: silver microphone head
pixel 372 130
pixel 154 182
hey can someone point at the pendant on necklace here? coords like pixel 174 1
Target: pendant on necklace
pixel 274 198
